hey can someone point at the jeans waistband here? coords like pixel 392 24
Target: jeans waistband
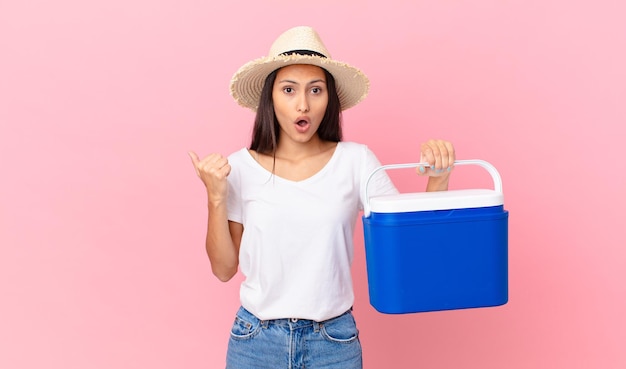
pixel 290 322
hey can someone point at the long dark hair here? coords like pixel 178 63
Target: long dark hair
pixel 266 131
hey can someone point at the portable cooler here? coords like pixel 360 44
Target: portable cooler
pixel 433 251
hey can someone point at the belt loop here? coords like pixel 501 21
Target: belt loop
pixel 265 323
pixel 316 326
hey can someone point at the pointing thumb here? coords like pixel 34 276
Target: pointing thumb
pixel 193 156
pixel 195 160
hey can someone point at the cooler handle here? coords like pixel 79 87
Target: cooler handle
pixel 497 181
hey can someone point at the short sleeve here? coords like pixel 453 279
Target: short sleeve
pixel 379 184
pixel 234 203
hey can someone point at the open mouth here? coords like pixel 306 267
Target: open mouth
pixel 303 124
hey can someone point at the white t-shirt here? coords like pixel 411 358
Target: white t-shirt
pixel 296 251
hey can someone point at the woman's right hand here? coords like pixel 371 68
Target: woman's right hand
pixel 213 170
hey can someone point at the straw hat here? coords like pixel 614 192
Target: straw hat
pixel 298 45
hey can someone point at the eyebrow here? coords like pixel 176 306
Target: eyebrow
pixel 308 83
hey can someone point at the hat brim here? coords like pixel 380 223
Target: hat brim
pixel 247 82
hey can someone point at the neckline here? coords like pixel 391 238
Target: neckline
pixel 330 161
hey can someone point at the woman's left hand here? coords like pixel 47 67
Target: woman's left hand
pixel 439 155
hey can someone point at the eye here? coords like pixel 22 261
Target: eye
pixel 316 90
pixel 288 90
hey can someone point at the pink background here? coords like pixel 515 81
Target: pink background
pixel 102 218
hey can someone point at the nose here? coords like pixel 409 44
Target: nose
pixel 303 104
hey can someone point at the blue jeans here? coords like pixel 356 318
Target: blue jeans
pixel 293 343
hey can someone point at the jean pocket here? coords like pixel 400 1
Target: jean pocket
pixel 244 328
pixel 341 329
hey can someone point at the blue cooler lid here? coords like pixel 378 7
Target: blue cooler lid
pixel 438 200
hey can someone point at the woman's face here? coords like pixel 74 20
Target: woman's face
pixel 300 97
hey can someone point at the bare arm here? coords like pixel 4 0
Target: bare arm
pixel 222 242
pixel 223 236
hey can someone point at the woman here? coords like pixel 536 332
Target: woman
pixel 284 210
